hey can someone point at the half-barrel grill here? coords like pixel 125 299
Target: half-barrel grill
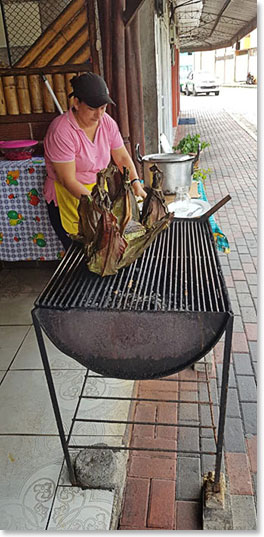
pixel 152 319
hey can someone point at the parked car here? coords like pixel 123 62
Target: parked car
pixel 201 82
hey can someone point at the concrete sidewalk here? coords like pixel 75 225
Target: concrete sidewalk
pixel 164 492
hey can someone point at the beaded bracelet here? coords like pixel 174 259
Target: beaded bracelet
pixel 133 180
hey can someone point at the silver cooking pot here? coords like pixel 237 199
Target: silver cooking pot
pixel 177 169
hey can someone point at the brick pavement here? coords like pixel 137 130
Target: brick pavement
pixel 163 490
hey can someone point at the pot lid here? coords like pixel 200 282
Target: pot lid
pixel 168 157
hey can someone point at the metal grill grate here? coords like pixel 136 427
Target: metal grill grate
pixel 180 271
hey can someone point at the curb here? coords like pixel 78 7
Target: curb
pixel 244 124
pixel 249 86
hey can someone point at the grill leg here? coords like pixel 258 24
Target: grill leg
pixel 223 401
pixel 54 400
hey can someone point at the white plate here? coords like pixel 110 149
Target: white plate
pixel 193 209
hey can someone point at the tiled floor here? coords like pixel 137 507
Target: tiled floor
pixel 35 492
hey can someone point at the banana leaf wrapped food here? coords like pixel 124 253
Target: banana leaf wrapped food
pixel 110 227
pixel 154 206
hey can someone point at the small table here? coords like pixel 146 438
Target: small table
pixel 25 230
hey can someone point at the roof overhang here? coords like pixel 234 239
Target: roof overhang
pixel 212 24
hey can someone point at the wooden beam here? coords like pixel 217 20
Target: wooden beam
pixel 67 52
pixel 83 55
pixel 68 68
pixel 131 10
pixel 28 118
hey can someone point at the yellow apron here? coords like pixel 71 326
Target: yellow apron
pixel 68 206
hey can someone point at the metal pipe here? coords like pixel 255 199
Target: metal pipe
pixel 223 401
pixel 44 78
pixel 54 400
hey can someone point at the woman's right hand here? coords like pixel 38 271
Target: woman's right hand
pixel 139 190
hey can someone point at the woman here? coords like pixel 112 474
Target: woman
pixel 78 144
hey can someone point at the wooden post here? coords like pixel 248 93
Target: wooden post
pixel 119 88
pixel 105 16
pixel 93 36
pixel 59 90
pixel 10 95
pixel 49 105
pixel 134 89
pixel 23 95
pixel 3 110
pixel 68 77
pixel 36 94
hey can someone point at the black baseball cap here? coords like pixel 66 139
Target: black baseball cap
pixel 91 89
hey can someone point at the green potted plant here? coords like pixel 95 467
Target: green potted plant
pixel 201 174
pixel 189 144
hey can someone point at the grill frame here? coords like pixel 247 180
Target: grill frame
pixel 41 323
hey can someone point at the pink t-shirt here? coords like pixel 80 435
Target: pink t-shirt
pixel 65 141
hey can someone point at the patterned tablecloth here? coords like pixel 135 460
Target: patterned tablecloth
pixel 25 230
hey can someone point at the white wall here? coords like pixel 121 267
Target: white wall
pixel 254 38
pixel 229 71
pixel 253 65
pixel 241 68
pixel 208 61
pixel 204 61
pixel 219 71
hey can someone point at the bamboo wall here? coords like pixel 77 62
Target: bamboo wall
pixel 67 47
pixel 26 106
pixel 28 94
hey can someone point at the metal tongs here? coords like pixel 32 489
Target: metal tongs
pixel 215 208
pixel 208 213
